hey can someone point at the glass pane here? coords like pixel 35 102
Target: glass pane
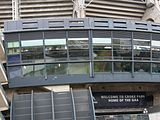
pixel 156 67
pixel 55 50
pixel 27 71
pixel 122 48
pixel 141 49
pixel 13 44
pixel 39 70
pixel 12 51
pixel 122 52
pixel 102 66
pixel 56 69
pixel 14 72
pixel 78 68
pixel 142 67
pixel 30 43
pixel 122 67
pixel 32 54
pixel 13 59
pixel 102 48
pixel 155 50
pixel 78 48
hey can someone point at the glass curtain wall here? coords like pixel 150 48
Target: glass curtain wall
pixel 67 52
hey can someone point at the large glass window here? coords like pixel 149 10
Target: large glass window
pixel 13 52
pixel 33 70
pixel 78 45
pixel 141 46
pixel 14 72
pixel 102 45
pixel 155 47
pixel 102 66
pixel 55 50
pixel 156 67
pixel 56 69
pixel 78 68
pixel 122 67
pixel 142 67
pixel 122 45
pixel 28 71
pixel 32 51
pixel 67 68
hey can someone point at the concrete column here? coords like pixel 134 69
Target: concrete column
pixel 15 9
pixel 79 9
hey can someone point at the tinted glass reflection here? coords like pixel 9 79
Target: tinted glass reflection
pixel 155 50
pixel 102 66
pixel 56 69
pixel 102 48
pixel 14 72
pixel 122 48
pixel 33 70
pixel 78 48
pixel 141 46
pixel 55 49
pixel 122 67
pixel 13 52
pixel 78 68
pixel 32 51
pixel 142 67
pixel 156 67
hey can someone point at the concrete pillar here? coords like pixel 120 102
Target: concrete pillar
pixel 79 9
pixel 152 13
pixel 15 9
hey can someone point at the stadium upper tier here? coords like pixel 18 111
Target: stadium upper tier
pixel 28 9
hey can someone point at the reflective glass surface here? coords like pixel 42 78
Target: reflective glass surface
pixel 156 67
pixel 78 48
pixel 122 67
pixel 55 50
pixel 122 48
pixel 13 52
pixel 56 69
pixel 78 68
pixel 142 67
pixel 141 46
pixel 155 50
pixel 102 66
pixel 32 51
pixel 102 48
pixel 33 70
pixel 14 72
pixel 27 71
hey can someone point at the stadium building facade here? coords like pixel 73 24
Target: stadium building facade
pixel 92 66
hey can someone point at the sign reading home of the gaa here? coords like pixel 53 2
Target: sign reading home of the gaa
pixel 107 100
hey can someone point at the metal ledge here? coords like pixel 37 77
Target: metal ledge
pixel 83 79
pixel 75 23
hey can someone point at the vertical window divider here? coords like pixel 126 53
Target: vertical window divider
pixel 132 44
pixel 112 51
pixel 91 61
pixel 20 49
pixel 67 35
pixel 151 53
pixel 44 55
